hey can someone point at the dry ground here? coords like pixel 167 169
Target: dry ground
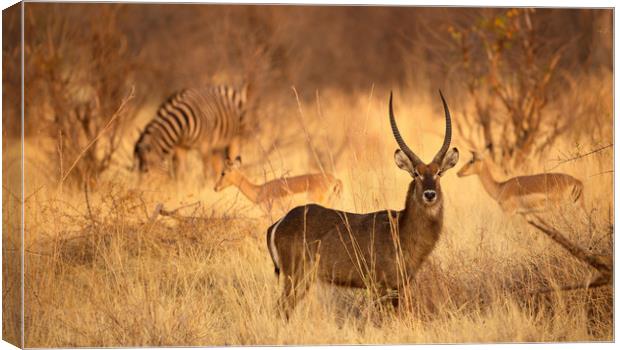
pixel 104 274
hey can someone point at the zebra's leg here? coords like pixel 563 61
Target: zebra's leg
pixel 179 163
pixel 212 162
pixel 217 162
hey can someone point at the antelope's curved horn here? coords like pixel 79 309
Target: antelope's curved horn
pixel 448 136
pixel 401 143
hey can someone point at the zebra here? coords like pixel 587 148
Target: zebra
pixel 210 120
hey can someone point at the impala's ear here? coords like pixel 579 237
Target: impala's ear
pixel 450 160
pixel 403 161
pixel 237 162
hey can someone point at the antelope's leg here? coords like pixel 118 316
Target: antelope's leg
pixel 333 193
pixel 582 203
pixel 296 286
pixel 394 299
pixel 582 200
pixel 284 302
pixel 508 206
pixel 388 295
pixel 401 295
pixel 316 195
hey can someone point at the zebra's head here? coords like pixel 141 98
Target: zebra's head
pixel 144 155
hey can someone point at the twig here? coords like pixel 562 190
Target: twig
pixel 174 211
pixel 105 128
pixel 87 199
pixel 602 172
pixel 158 208
pixel 306 133
pixel 581 155
pixel 33 193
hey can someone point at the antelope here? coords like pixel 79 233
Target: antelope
pixel 525 194
pixel 346 248
pixel 318 187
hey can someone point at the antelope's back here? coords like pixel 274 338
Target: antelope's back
pixel 347 245
pixel 540 183
pixel 328 229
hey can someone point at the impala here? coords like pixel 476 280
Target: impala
pixel 347 249
pixel 525 194
pixel 318 187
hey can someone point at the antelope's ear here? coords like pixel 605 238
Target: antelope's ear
pixel 403 162
pixel 450 160
pixel 237 162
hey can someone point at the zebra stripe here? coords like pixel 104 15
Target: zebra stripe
pixel 201 119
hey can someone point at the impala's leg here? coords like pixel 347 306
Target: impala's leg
pixel 580 198
pixel 508 206
pixel 331 194
pixel 582 203
pixel 336 191
pixel 316 195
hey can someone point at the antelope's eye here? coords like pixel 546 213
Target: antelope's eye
pixel 471 161
pixel 415 173
pixel 222 173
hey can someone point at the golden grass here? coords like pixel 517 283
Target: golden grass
pixel 104 275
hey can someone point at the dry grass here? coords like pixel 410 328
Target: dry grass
pixel 103 274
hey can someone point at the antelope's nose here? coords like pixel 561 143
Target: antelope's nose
pixel 429 195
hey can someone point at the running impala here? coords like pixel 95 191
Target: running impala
pixel 349 249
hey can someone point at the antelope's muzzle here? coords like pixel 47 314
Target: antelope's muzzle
pixel 430 196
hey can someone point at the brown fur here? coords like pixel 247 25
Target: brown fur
pixel 356 250
pixel 381 250
pixel 319 187
pixel 529 193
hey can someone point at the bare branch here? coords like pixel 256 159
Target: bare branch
pixel 306 133
pixel 112 119
pixel 576 251
pixel 579 156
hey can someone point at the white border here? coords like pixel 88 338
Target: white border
pixel 461 3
